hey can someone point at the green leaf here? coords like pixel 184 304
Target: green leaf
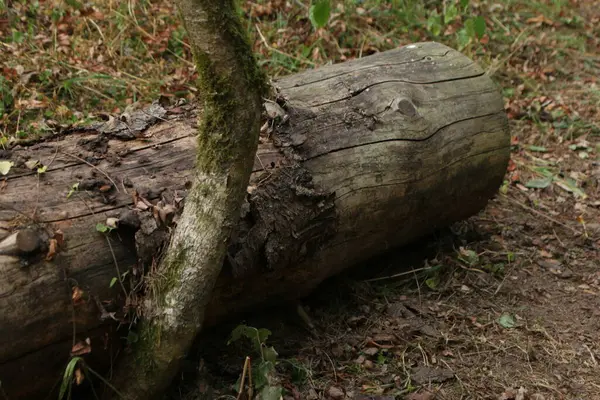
pixel 470 28
pixel 5 166
pixel 251 333
pixel 270 354
pixel 262 373
pixel 463 38
pixel 74 188
pixel 451 14
pixel 263 334
pixel 507 321
pixel 68 376
pixel 132 337
pixel 270 393
pixel 42 169
pixel 464 3
pixel 510 256
pixel 570 186
pixel 479 26
pixel 112 282
pixel 538 183
pixel 319 13
pixel 468 256
pixel 538 149
pixel 100 227
pixel 434 24
pixel 433 282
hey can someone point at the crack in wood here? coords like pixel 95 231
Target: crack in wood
pixel 404 139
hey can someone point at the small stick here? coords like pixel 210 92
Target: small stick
pixel 244 371
pixel 412 271
pixel 94 167
pixel 533 210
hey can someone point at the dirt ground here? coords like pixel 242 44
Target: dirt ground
pixel 512 313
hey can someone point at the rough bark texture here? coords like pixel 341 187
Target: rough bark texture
pixel 232 88
pixel 371 154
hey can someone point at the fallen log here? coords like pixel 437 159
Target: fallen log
pixel 356 158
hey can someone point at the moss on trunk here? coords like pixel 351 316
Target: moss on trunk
pixel 232 87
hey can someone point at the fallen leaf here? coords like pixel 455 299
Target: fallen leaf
pixel 78 377
pixel 371 351
pixel 81 348
pixel 507 321
pixel 335 393
pixel 52 249
pixel 59 236
pixel 421 396
pixel 538 149
pixel 5 166
pixel 77 295
pixel 538 183
pixel 32 164
pixel 540 19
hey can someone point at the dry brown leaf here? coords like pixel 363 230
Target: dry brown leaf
pixel 421 396
pixel 540 19
pixel 81 348
pixel 77 295
pixel 79 377
pixel 59 236
pixel 52 249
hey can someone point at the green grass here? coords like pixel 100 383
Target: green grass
pixel 66 61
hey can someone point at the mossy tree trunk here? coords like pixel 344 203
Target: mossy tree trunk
pixel 232 88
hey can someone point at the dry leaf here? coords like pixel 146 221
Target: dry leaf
pixel 81 348
pixel 59 236
pixel 77 295
pixel 540 19
pixel 52 249
pixel 421 396
pixel 78 377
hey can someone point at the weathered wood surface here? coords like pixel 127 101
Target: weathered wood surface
pixel 376 152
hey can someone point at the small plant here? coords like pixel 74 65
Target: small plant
pixel 262 377
pixel 319 13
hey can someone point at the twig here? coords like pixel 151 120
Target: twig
pixel 107 383
pixel 243 380
pixel 591 354
pixel 94 167
pixel 412 271
pixel 494 68
pixel 116 266
pixel 264 40
pixel 536 212
pixel 335 377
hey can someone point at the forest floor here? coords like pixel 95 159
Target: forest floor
pixel 505 305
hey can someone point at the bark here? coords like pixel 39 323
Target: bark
pixel 370 154
pixel 232 88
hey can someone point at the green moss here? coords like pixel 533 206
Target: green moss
pixel 170 276
pixel 223 102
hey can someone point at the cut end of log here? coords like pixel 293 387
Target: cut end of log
pixel 28 241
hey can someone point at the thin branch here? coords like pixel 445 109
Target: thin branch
pixel 94 167
pixel 116 266
pixel 541 214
